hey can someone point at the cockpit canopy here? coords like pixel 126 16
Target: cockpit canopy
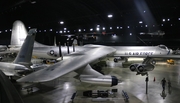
pixel 163 47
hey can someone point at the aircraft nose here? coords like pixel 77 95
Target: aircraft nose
pixel 170 51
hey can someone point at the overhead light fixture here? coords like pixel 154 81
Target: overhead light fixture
pixel 60 31
pixel 110 16
pixel 33 1
pixel 140 22
pixel 61 22
pixel 103 28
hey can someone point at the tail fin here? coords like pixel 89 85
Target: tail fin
pixel 25 54
pixel 19 34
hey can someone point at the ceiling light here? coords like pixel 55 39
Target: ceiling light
pixel 103 28
pixel 140 22
pixel 60 31
pixel 110 16
pixel 61 22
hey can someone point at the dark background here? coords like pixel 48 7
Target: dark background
pixel 84 15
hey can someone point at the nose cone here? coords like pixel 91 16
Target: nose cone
pixel 170 51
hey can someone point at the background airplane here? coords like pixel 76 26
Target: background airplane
pixel 22 61
pixel 52 52
pixel 158 33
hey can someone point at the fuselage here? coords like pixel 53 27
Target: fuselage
pixel 142 50
pixel 52 52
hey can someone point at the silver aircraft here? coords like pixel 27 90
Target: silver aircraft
pixel 52 52
pixel 23 60
pixel 79 64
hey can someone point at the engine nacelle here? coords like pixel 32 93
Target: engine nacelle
pixel 133 67
pixel 145 67
pixel 104 80
pixel 140 68
pixel 153 62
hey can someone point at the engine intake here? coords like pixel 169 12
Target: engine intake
pixel 133 67
pixel 140 68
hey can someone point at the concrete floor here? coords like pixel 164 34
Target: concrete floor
pixel 61 90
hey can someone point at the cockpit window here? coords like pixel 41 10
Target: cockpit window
pixel 163 47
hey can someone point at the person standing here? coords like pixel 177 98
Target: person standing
pixel 163 82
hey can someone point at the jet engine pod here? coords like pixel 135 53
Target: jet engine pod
pixel 104 80
pixel 153 62
pixel 145 67
pixel 133 67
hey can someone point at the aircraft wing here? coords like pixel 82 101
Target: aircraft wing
pixel 66 66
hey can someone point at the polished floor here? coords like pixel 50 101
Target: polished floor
pixel 62 89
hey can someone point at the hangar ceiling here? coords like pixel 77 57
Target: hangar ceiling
pixel 131 16
pixel 86 13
